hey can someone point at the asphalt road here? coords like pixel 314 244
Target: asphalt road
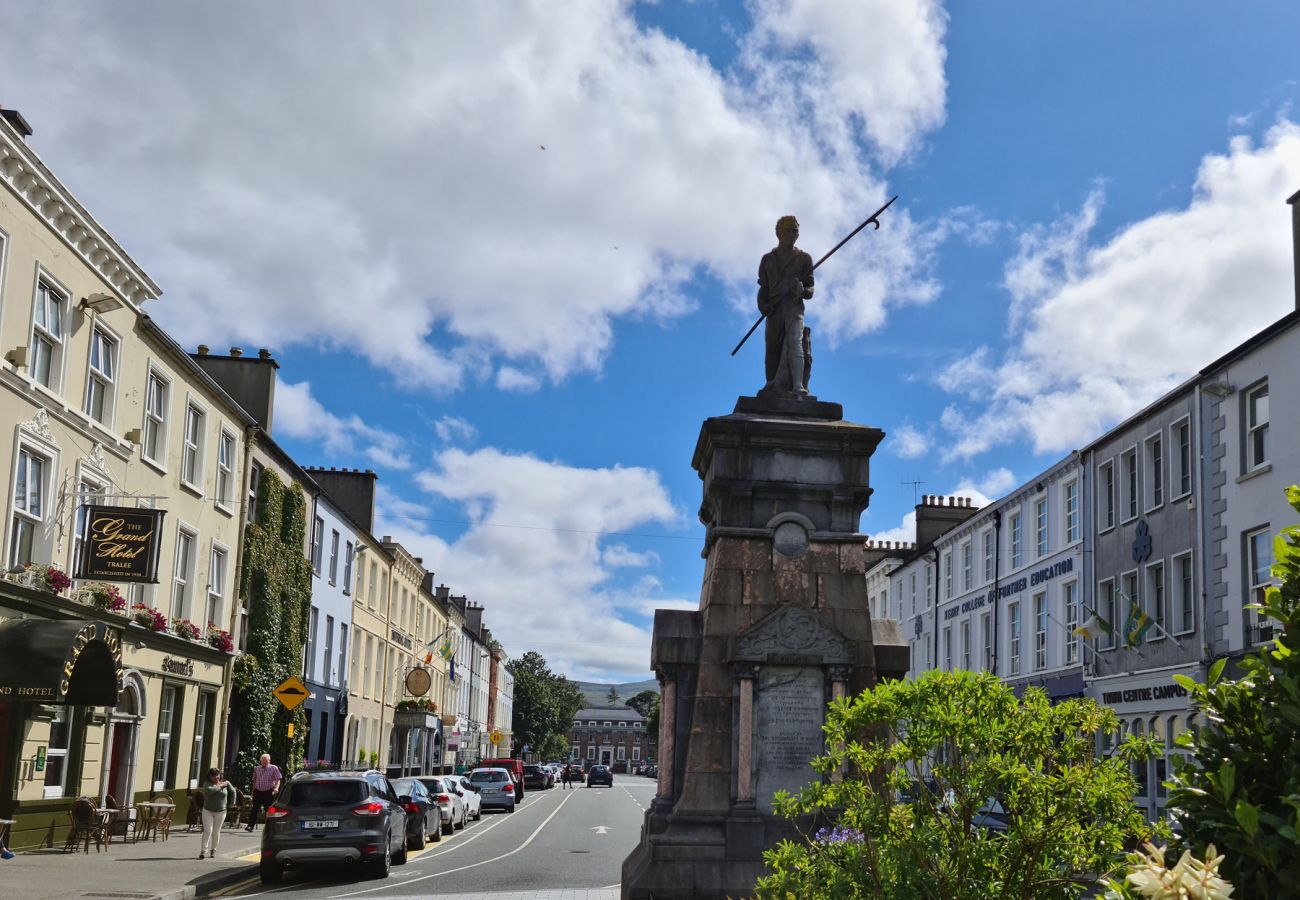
pixel 557 839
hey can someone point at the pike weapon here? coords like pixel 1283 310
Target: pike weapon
pixel 871 220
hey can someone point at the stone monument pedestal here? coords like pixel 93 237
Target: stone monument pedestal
pixel 784 626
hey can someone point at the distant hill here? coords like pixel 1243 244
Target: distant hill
pixel 597 694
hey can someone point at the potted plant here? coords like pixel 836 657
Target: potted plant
pixel 105 597
pixel 186 629
pixel 424 704
pixel 220 640
pixel 374 759
pixel 148 617
pixel 50 578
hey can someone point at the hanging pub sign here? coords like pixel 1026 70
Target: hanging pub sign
pixel 121 544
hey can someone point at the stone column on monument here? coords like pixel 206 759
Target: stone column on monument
pixel 839 676
pixel 745 737
pixel 667 731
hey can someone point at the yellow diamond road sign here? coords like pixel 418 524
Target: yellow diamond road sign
pixel 495 738
pixel 291 692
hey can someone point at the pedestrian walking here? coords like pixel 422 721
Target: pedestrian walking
pixel 218 795
pixel 5 852
pixel 566 777
pixel 266 784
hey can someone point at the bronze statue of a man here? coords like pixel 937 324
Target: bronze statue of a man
pixel 785 281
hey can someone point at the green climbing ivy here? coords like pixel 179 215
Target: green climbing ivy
pixel 275 580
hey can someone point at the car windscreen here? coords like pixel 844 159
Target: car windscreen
pixel 488 777
pixel 408 787
pixel 327 793
pixel 532 770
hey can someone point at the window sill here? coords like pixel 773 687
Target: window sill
pixel 224 509
pixel 156 466
pixel 1150 509
pixel 1255 472
pixel 1105 530
pixel 192 489
pixel 1183 496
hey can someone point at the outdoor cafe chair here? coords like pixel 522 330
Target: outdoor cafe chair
pixel 85 822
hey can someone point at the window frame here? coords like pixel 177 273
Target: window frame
pixel 317 539
pixel 967 565
pixel 1129 493
pixel 947 648
pixel 1014 632
pixel 36 523
pixel 947 574
pixel 1248 461
pixel 106 382
pixel 1135 576
pixel 1072 609
pixel 1041 616
pixel 1187 468
pixel 1154 464
pixel 965 643
pixel 46 285
pixel 193 451
pixel 1156 602
pixel 1255 590
pixel 1071 512
pixel 74 735
pixel 154 423
pixel 988 550
pixel 1107 608
pixel 85 475
pixel 216 593
pixel 1042 528
pixel 223 480
pixel 986 634
pixel 1016 527
pixel 1186 595
pixel 334 556
pixel 1106 498
pixel 165 744
pixel 184 585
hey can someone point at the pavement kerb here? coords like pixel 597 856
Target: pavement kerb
pixel 225 878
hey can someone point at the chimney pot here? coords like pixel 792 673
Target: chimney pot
pixel 236 352
pixel 203 349
pixel 264 353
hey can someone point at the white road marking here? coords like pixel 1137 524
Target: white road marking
pixel 601 829
pixel 531 838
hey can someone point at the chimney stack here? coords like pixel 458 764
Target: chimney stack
pixel 1295 244
pixel 236 352
pixel 936 515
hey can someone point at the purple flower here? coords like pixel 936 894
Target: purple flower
pixel 840 834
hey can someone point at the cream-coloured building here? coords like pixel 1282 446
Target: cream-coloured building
pixel 103 409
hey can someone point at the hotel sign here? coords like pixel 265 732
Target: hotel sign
pixel 121 544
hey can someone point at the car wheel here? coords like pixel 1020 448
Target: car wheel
pixel 461 826
pixel 436 833
pixel 271 872
pixel 399 858
pixel 416 841
pixel 381 867
pixel 448 828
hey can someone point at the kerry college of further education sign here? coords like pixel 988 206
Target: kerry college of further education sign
pixel 121 544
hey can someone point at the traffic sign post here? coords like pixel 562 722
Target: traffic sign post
pixel 291 692
pixel 495 738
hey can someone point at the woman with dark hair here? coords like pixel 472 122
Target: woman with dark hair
pixel 218 794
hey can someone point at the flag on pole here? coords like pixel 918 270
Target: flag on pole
pixel 1136 625
pixel 451 663
pixel 1093 627
pixel 428 657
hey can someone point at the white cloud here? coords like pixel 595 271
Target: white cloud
pixel 454 430
pixel 539 556
pixel 995 483
pixel 346 187
pixel 908 443
pixel 1101 328
pixel 299 414
pixel 905 531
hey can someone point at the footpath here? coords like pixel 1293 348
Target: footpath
pixel 162 870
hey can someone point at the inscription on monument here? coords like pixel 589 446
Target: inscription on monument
pixel 788 729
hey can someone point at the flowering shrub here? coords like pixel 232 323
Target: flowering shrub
pixel 839 835
pixel 318 765
pixel 105 597
pixel 148 617
pixel 1188 879
pixel 219 639
pixel 186 629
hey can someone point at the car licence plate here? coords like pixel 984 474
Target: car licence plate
pixel 313 824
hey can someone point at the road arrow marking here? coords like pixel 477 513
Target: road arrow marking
pixel 601 829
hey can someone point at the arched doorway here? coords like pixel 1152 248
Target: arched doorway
pixel 123 740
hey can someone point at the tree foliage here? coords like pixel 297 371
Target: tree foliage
pixel 1069 812
pixel 612 694
pixel 1241 788
pixel 544 702
pixel 643 702
pixel 275 581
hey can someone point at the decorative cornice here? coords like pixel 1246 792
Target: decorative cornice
pixel 39 425
pixel 33 183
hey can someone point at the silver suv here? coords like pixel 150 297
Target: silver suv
pixel 333 817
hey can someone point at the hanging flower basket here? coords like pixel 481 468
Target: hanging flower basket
pixel 220 640
pixel 186 629
pixel 44 578
pixel 104 597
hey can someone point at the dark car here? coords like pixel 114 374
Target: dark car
pixel 496 788
pixel 535 778
pixel 423 819
pixel 331 817
pixel 600 775
pixel 576 774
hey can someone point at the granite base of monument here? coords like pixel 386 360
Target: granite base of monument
pixel 783 627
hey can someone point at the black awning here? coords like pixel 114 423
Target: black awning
pixel 45 661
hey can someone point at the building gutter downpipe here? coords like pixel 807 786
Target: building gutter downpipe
pixel 997 577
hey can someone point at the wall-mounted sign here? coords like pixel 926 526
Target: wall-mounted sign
pixel 174 666
pixel 121 544
pixel 418 682
pixel 40 759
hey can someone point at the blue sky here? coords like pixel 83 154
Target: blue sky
pixel 502 253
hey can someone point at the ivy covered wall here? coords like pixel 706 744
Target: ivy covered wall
pixel 275 580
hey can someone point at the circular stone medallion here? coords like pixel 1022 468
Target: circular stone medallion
pixel 790 539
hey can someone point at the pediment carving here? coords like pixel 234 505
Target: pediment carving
pixel 794 634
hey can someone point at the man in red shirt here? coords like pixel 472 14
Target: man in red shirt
pixel 266 784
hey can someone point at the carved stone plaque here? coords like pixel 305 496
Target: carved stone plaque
pixel 791 706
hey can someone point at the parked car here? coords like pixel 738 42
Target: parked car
pixel 600 775
pixel 576 774
pixel 535 778
pixel 473 805
pixel 496 788
pixel 331 817
pixel 514 766
pixel 450 797
pixel 423 817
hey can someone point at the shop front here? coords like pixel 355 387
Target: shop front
pixel 1149 703
pixel 94 706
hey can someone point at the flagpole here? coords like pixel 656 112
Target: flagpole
pixel 1160 628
